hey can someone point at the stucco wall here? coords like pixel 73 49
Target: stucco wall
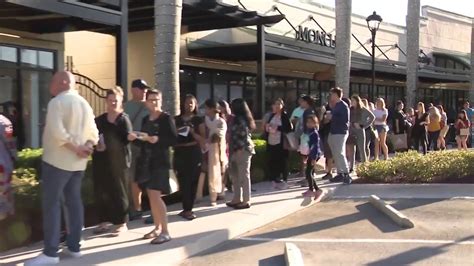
pixel 93 55
pixel 445 31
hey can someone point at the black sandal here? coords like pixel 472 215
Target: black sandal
pixel 232 205
pixel 161 239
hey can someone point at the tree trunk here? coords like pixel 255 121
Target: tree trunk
pixel 471 93
pixel 413 50
pixel 167 46
pixel 343 44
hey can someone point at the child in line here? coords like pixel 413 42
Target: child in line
pixel 312 124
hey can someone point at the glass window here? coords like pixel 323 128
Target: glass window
pixel 440 62
pixel 203 87
pixel 364 91
pixel 291 94
pixel 220 87
pixel 450 64
pixel 236 86
pixel 302 86
pixel 46 59
pixel 250 95
pixel 187 82
pixel 7 55
pixel 29 57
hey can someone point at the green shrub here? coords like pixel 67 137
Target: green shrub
pixel 413 167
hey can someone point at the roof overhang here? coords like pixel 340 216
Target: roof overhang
pixel 49 16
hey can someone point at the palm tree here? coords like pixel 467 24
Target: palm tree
pixel 343 44
pixel 167 45
pixel 413 50
pixel 471 94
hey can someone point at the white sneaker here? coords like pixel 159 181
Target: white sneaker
pixel 71 254
pixel 42 259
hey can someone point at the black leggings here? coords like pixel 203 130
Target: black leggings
pixel 277 162
pixel 419 138
pixel 188 169
pixel 309 176
pixel 433 140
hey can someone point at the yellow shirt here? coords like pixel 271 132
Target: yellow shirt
pixel 434 124
pixel 70 119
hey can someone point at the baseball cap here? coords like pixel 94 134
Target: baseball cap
pixel 140 83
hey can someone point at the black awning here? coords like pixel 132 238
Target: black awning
pixel 59 16
pixel 49 16
pixel 200 15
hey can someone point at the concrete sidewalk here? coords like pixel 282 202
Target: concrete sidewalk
pixel 213 226
pixel 403 191
pixel 216 225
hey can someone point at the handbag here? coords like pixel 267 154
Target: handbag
pixel 464 132
pixel 399 141
pixel 290 142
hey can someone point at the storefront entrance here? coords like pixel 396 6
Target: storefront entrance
pixel 24 90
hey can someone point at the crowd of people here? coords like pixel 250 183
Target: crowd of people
pixel 131 143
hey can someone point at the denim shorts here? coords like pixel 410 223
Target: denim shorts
pixel 381 128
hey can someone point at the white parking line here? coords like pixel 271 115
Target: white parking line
pixel 362 240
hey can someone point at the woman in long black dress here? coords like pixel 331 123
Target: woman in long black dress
pixel 158 135
pixel 111 161
pixel 188 154
pixel 419 132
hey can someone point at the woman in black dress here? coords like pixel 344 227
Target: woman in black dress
pixel 419 132
pixel 187 153
pixel 158 135
pixel 111 161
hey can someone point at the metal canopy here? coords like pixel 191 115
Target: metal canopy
pixel 59 16
pixel 49 16
pixel 200 15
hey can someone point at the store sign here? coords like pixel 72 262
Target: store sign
pixel 316 37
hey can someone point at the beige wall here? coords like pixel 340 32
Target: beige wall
pixel 445 31
pixel 93 55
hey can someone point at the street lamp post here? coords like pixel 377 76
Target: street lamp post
pixel 373 23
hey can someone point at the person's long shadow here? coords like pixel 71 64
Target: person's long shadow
pixel 417 254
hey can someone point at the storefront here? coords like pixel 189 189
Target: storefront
pixel 25 73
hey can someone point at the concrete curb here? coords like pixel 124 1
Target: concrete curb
pixel 293 256
pixel 396 216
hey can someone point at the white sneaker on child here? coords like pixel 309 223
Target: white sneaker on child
pixel 72 254
pixel 42 259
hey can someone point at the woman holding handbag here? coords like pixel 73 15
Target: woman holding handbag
pixel 277 125
pixel 462 126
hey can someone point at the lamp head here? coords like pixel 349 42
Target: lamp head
pixel 373 21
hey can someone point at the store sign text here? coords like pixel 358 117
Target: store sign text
pixel 316 37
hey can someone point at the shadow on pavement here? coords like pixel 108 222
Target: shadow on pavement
pixel 415 255
pixel 273 261
pixel 382 222
pixel 405 204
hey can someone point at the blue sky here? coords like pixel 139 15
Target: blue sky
pixel 394 11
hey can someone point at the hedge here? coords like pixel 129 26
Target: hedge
pixel 26 174
pixel 413 167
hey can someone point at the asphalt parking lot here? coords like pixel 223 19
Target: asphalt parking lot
pixel 353 232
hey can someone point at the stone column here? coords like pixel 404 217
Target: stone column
pixel 413 50
pixel 343 44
